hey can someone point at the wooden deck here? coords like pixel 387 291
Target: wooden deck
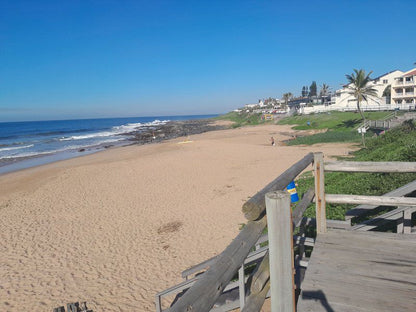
pixel 360 271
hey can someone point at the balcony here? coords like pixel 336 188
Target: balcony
pixel 403 95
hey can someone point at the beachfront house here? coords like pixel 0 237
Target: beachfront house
pixel 343 100
pixel 403 90
pixel 395 90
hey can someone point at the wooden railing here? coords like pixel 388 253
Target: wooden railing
pixel 406 205
pixel 208 283
pixel 207 288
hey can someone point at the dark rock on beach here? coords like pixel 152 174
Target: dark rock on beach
pixel 175 129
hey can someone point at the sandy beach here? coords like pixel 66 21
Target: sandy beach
pixel 116 227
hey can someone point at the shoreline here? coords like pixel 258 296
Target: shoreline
pixel 99 228
pixel 151 135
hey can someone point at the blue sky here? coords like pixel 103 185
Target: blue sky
pixel 92 59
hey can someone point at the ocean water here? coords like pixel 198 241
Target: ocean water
pixel 27 144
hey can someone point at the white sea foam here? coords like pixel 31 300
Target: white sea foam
pixel 88 136
pixel 64 149
pixel 117 130
pixel 15 148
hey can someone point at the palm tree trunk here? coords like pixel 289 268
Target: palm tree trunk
pixel 363 118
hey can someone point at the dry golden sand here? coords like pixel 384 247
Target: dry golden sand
pixel 116 227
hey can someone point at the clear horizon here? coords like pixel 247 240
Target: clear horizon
pixel 117 117
pixel 101 59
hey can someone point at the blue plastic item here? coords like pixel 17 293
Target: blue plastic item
pixel 291 188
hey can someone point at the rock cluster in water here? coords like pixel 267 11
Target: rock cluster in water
pixel 174 129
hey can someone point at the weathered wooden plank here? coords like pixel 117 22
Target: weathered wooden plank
pixel 382 219
pixel 401 191
pixel 261 275
pixel 255 301
pixel 320 193
pixel 199 267
pixel 369 166
pixel 280 251
pixel 298 212
pixel 241 286
pixel 255 206
pixel 360 271
pixel 372 200
pixel 203 294
pixel 338 224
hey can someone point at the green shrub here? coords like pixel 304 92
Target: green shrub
pixel 397 144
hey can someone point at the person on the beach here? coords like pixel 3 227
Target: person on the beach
pixel 272 140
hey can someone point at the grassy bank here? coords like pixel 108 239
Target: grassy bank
pixel 243 119
pixel 339 126
pixel 398 144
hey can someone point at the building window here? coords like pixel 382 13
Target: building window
pixel 399 101
pixel 385 81
pixel 409 101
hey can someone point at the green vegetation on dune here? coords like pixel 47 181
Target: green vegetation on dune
pixel 242 119
pixel 397 144
pixel 336 121
pixel 341 126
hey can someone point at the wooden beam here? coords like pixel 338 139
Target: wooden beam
pixel 301 207
pixel 320 193
pixel 255 206
pixel 204 293
pixel 361 209
pixel 382 219
pixel 370 166
pixel 261 275
pixel 280 231
pixel 338 224
pixel 372 200
pixel 255 301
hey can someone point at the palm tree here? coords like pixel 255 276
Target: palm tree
pixel 287 97
pixel 359 88
pixel 324 90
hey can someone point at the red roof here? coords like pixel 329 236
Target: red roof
pixel 411 73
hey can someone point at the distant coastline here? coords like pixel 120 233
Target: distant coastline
pixel 29 144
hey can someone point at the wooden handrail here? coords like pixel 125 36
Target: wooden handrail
pixel 401 191
pixel 204 293
pixel 372 200
pixel 370 166
pixel 256 206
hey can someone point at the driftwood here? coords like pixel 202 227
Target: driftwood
pixel 255 206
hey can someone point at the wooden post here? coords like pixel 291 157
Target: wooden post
pixel 320 193
pixel 280 231
pixel 407 221
pixel 404 224
pixel 241 286
pixel 158 302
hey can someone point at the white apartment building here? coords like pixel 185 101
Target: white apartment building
pixel 403 90
pixel 343 100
